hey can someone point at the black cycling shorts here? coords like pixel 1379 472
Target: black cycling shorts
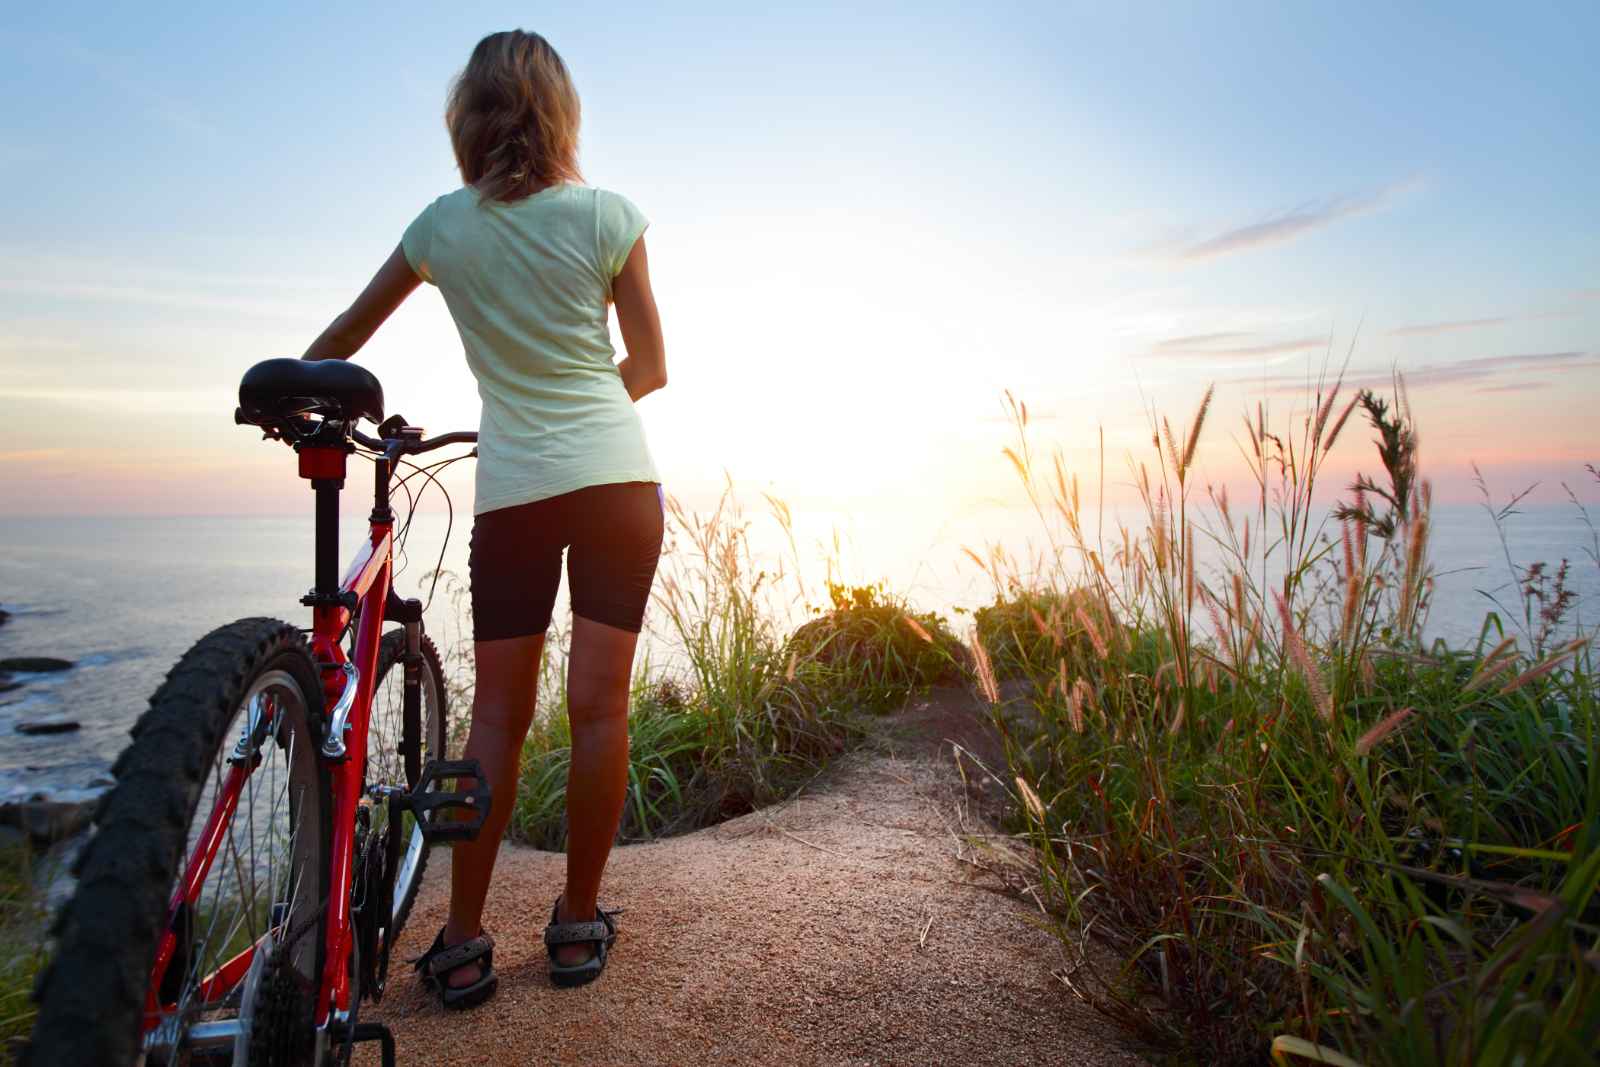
pixel 613 533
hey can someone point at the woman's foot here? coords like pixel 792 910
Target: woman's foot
pixel 468 973
pixel 571 955
pixel 578 946
pixel 462 971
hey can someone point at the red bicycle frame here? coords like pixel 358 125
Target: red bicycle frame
pixel 364 595
pixel 366 585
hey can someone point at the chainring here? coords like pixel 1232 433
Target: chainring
pixel 372 912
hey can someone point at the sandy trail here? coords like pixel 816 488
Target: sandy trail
pixel 838 928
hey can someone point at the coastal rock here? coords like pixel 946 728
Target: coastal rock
pixel 35 663
pixel 11 839
pixel 48 726
pixel 47 821
pixel 4 615
pixel 8 683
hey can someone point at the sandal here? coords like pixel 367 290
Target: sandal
pixel 434 964
pixel 601 931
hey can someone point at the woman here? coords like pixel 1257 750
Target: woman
pixel 528 260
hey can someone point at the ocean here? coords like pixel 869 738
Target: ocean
pixel 124 597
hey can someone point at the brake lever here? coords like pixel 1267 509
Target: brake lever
pixel 392 426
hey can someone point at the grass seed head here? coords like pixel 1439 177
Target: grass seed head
pixel 1390 723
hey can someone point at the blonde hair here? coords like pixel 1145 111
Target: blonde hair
pixel 513 117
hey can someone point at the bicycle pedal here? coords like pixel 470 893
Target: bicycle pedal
pixel 447 814
pixel 379 1033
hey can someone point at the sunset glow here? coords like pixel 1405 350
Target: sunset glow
pixel 861 236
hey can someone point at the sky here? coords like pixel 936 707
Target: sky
pixel 868 221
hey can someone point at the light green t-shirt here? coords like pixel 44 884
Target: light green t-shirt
pixel 528 284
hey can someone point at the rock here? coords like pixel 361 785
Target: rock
pixel 35 663
pixel 12 839
pixel 48 726
pixel 4 615
pixel 47 821
pixel 8 683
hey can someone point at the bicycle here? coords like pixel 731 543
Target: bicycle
pixel 272 817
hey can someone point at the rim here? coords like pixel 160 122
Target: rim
pixel 263 882
pixel 386 766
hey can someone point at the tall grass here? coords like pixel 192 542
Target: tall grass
pixel 21 948
pixel 1302 830
pixel 734 713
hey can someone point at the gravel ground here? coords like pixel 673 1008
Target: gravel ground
pixel 838 928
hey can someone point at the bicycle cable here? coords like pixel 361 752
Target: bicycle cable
pixel 413 501
pixel 450 512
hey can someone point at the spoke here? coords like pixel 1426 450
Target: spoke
pixel 250 819
pixel 197 948
pixel 272 813
pixel 299 872
pixel 233 927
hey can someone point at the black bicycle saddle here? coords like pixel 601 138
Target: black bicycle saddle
pixel 278 388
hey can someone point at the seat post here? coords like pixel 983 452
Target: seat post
pixel 323 466
pixel 327 552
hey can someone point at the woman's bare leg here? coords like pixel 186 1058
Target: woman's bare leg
pixel 502 710
pixel 599 674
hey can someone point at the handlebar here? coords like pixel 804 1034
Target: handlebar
pixel 395 439
pixel 409 445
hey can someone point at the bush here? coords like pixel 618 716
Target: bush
pixel 1039 633
pixel 873 648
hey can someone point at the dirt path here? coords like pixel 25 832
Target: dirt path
pixel 838 928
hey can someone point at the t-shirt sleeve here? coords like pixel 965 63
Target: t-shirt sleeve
pixel 618 225
pixel 417 242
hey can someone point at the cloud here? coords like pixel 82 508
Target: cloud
pixel 1571 303
pixel 54 276
pixel 34 343
pixel 1186 348
pixel 128 401
pixel 100 292
pixel 1482 369
pixel 1198 339
pixel 1449 327
pixel 1286 226
pixel 1512 387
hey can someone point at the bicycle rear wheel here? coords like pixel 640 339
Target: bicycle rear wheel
pixel 387 764
pixel 210 859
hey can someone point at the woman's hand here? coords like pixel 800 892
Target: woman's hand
pixel 644 369
pixel 386 291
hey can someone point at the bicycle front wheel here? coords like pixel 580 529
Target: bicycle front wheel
pixel 208 867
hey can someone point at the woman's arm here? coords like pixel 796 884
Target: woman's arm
pixel 386 291
pixel 644 368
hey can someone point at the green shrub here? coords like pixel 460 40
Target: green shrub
pixel 1040 633
pixel 872 648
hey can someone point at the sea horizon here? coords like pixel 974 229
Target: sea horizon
pixel 123 598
